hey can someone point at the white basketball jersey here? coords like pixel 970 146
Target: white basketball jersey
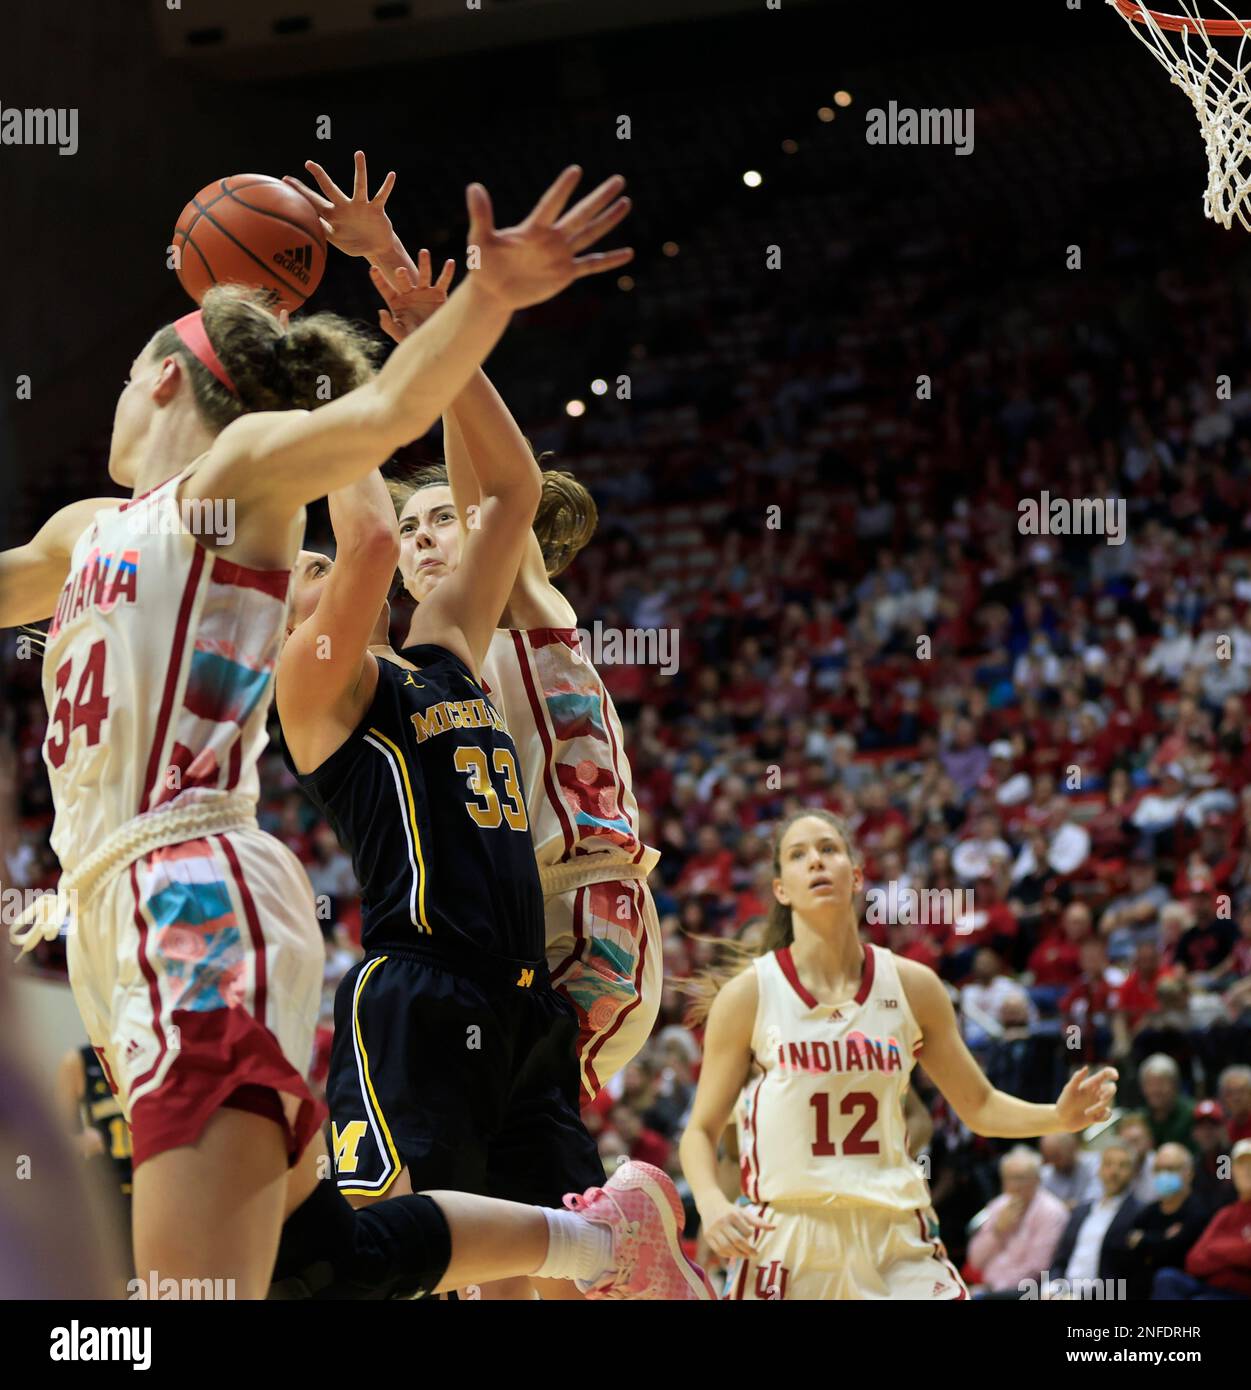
pixel 158 673
pixel 821 1120
pixel 576 775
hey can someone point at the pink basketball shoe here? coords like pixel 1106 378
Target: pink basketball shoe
pixel 639 1204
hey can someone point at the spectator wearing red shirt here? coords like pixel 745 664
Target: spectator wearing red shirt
pixel 881 825
pixel 991 923
pixel 641 1143
pixel 1088 1003
pixel 1237 966
pixel 908 940
pixel 1138 996
pixel 1055 962
pixel 708 871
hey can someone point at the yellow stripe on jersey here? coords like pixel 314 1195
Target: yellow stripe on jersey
pixel 372 1102
pixel 396 757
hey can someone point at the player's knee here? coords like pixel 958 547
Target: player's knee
pixel 397 1249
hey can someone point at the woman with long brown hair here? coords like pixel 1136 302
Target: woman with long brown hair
pixel 813 1043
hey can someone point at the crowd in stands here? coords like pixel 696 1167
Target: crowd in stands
pixel 1052 730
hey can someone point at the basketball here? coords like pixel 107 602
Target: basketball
pixel 250 229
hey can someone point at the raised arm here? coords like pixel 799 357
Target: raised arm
pixel 275 463
pixel 464 611
pixel 483 445
pixel 32 575
pixel 985 1110
pixel 321 687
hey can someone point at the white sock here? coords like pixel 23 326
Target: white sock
pixel 576 1248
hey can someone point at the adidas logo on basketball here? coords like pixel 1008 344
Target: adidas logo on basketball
pixel 297 261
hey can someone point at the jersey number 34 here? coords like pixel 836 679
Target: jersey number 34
pixel 89 710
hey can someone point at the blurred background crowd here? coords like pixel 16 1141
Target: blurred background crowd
pixel 814 483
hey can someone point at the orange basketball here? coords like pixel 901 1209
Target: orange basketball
pixel 250 229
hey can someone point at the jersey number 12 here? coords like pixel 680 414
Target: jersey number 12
pixel 855 1143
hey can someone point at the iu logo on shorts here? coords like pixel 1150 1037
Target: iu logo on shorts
pixel 771 1280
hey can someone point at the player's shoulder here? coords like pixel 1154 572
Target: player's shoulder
pixel 63 528
pixel 921 984
pixel 442 668
pixel 252 426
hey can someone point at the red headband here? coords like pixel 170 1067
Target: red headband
pixel 190 328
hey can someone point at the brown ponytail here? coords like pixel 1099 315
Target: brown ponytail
pixel 779 928
pixel 317 359
pixel 565 521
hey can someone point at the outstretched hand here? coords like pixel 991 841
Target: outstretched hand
pixel 1086 1099
pixel 357 225
pixel 535 260
pixel 410 303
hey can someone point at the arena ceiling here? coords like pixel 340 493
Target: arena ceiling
pixel 233 37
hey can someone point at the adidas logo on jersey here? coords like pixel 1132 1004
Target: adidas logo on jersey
pixel 940 1287
pixel 297 260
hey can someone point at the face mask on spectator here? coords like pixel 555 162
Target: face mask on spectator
pixel 1168 1184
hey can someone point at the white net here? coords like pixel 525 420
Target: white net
pixel 1217 84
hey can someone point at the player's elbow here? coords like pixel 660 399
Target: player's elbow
pixel 521 492
pixel 373 539
pixel 976 1112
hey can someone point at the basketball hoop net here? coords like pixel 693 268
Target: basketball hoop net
pixel 1218 88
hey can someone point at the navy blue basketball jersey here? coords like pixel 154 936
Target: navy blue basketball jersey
pixel 102 1110
pixel 426 797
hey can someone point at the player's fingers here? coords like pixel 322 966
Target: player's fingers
pixel 481 215
pixel 1079 1076
pixel 403 280
pixel 746 1224
pixel 600 226
pixel 326 227
pixel 388 325
pixel 586 208
pixel 547 209
pixel 445 275
pixel 423 268
pixel 360 177
pixel 319 203
pixel 601 261
pixel 384 287
pixel 384 192
pixel 325 182
pixel 733 1244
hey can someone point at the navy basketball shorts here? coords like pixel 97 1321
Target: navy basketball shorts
pixel 469 1082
